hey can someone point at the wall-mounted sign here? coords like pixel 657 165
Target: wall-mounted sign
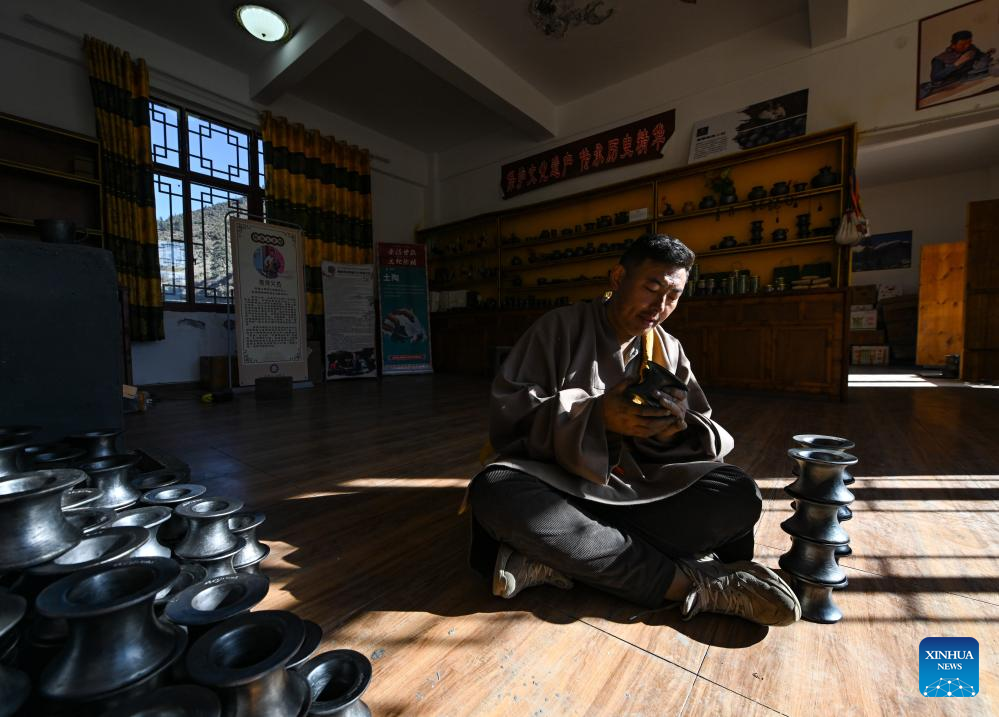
pixel 754 125
pixel 404 304
pixel 349 304
pixel 635 142
pixel 270 300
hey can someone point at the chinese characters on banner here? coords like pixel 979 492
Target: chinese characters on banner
pixel 269 300
pixel 639 141
pixel 405 320
pixel 349 301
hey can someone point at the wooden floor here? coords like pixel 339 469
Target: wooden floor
pixel 361 480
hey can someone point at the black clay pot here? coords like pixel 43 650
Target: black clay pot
pixel 90 520
pixel 778 235
pixel 93 551
pixel 172 496
pixel 313 636
pixel 816 600
pixel 172 701
pixel 150 517
pixel 708 202
pixel 820 475
pixel 110 474
pixel 208 532
pixel 76 498
pixel 253 567
pixel 337 679
pixel 817 522
pixel 244 525
pixel 155 480
pixel 53 455
pixel 115 639
pixel 33 529
pixel 97 444
pixel 17 433
pixel 190 573
pixel 779 188
pixel 214 600
pixel 825 178
pixel 219 564
pixel 757 192
pixel 812 561
pixel 820 442
pixel 14 684
pixel 11 460
pixel 243 660
pixel 654 378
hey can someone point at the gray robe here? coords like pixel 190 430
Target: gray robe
pixel 542 419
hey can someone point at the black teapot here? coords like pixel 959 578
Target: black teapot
pixel 621 218
pixel 779 235
pixel 800 186
pixel 729 198
pixel 779 188
pixel 668 211
pixel 727 242
pixel 757 192
pixel 708 202
pixel 825 178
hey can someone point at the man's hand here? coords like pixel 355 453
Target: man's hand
pixel 675 401
pixel 966 57
pixel 629 419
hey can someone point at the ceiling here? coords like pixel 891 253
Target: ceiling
pixel 436 74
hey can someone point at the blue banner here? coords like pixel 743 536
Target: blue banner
pixel 404 314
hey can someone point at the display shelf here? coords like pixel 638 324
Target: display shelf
pixel 556 285
pixel 755 204
pixel 579 235
pixel 464 284
pixel 561 262
pixel 765 246
pixel 41 171
pixel 463 255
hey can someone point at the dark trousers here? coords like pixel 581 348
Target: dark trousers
pixel 625 550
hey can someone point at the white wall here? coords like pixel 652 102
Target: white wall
pixel 867 78
pixel 935 209
pixel 45 80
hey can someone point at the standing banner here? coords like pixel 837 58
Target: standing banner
pixel 754 125
pixel 349 301
pixel 405 320
pixel 267 262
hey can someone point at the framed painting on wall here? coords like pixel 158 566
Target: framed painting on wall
pixel 957 53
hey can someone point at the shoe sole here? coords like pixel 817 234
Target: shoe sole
pixel 500 584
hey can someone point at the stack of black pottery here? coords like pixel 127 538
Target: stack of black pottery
pixel 817 536
pixel 125 591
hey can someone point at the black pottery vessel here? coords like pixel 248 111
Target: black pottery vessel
pixel 172 496
pixel 33 528
pixel 244 525
pixel 243 659
pixel 150 517
pixel 14 684
pixel 337 680
pixel 53 455
pixel 115 640
pixel 221 563
pixel 208 534
pixel 76 498
pixel 110 474
pixel 214 600
pixel 100 443
pixel 90 520
pixel 313 636
pixel 172 701
pixel 10 455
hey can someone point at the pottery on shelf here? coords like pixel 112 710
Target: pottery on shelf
pixel 757 192
pixel 33 528
pixel 729 198
pixel 779 188
pixel 150 517
pixel 243 660
pixel 800 186
pixel 825 178
pixel 337 680
pixel 115 639
pixel 99 443
pixel 110 474
pixel 708 202
pixel 170 497
pixel 778 235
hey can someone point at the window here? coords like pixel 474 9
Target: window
pixel 204 169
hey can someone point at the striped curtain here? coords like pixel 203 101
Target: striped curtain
pixel 324 186
pixel 120 88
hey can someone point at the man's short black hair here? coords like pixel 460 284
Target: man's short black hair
pixel 960 35
pixel 658 247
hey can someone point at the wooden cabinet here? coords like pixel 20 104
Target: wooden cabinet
pixel 512 265
pixel 48 173
pixel 981 315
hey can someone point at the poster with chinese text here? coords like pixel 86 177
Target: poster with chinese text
pixel 269 300
pixel 349 301
pixel 754 125
pixel 404 320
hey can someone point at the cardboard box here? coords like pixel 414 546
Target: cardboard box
pixel 863 320
pixel 900 308
pixel 866 338
pixel 864 295
pixel 869 355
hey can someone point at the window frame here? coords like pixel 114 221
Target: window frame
pixel 183 173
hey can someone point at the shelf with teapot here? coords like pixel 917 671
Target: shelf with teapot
pixel 580 231
pixel 767 202
pixel 557 258
pixel 544 284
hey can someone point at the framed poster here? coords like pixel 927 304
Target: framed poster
pixel 404 308
pixel 349 306
pixel 267 262
pixel 883 251
pixel 957 53
pixel 755 125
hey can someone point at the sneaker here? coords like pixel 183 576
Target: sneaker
pixel 515 572
pixel 745 589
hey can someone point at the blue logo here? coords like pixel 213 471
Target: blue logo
pixel 948 667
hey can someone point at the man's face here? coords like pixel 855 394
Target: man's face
pixel 644 295
pixel 962 45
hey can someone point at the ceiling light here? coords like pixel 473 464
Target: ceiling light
pixel 263 23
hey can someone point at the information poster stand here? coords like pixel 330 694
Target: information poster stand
pixel 404 308
pixel 349 301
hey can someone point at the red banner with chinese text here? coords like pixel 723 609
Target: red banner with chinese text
pixel 635 142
